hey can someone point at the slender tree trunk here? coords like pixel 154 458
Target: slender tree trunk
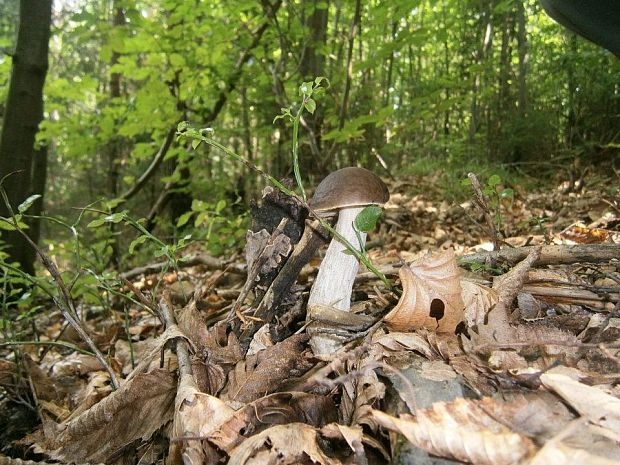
pixel 481 55
pixel 522 48
pixel 355 25
pixel 503 87
pixel 248 179
pixel 571 119
pixel 114 147
pixel 24 112
pixel 312 66
pixel 446 64
pixel 390 70
pixel 336 47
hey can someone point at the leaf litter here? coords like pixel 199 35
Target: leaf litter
pixel 513 360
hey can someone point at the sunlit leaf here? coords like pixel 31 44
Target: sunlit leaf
pixel 367 219
pixel 26 204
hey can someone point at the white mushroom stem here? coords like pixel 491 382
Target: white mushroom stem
pixel 334 282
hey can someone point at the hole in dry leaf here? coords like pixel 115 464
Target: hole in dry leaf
pixel 460 328
pixel 437 309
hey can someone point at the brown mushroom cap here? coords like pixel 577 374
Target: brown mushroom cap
pixel 349 187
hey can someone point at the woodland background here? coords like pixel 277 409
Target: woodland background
pixel 447 87
pixel 96 179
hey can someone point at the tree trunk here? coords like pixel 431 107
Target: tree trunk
pixel 24 112
pixel 571 118
pixel 313 65
pixel 114 147
pixel 355 26
pixel 481 54
pixel 522 48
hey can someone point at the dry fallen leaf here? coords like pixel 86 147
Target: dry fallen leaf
pixel 265 371
pixel 591 402
pixel 293 443
pixel 136 410
pixel 196 415
pixel 274 409
pixel 558 452
pixel 460 430
pixel 431 295
pixel 398 342
pixel 478 300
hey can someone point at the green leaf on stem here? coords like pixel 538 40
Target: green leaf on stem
pixel 367 218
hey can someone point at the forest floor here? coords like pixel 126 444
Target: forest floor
pixel 529 375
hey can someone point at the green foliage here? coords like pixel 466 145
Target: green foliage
pixel 496 194
pixel 367 219
pixel 306 91
pixel 427 92
pixel 220 232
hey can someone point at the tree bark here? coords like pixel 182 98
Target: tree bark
pixel 486 21
pixel 24 112
pixel 522 48
pixel 355 27
pixel 312 65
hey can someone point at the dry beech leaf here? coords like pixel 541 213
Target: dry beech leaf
pixel 398 342
pixel 260 341
pixel 98 388
pixel 222 346
pixel 195 415
pixel 431 295
pixel 76 364
pixel 274 409
pixel 293 443
pixel 279 408
pixel 557 452
pixel 265 372
pixel 593 403
pixel 478 300
pixel 140 407
pixel 460 430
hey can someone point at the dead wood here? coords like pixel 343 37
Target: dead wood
pixel 549 255
pixel 211 263
pixel 313 237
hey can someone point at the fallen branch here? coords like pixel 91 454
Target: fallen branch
pixel 549 255
pixel 211 263
pixel 573 296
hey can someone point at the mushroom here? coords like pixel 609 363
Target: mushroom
pixel 346 192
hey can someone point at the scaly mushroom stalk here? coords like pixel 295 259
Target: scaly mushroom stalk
pixel 346 191
pixel 334 282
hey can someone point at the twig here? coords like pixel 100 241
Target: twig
pixel 66 345
pixel 481 203
pixel 182 349
pixel 157 159
pixel 196 259
pixel 508 287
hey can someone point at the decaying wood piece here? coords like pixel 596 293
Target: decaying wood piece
pixel 549 255
pixel 272 246
pixel 312 238
pixel 573 296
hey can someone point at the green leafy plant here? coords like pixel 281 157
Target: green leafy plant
pixel 495 194
pixel 169 251
pixel 220 231
pixel 306 91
